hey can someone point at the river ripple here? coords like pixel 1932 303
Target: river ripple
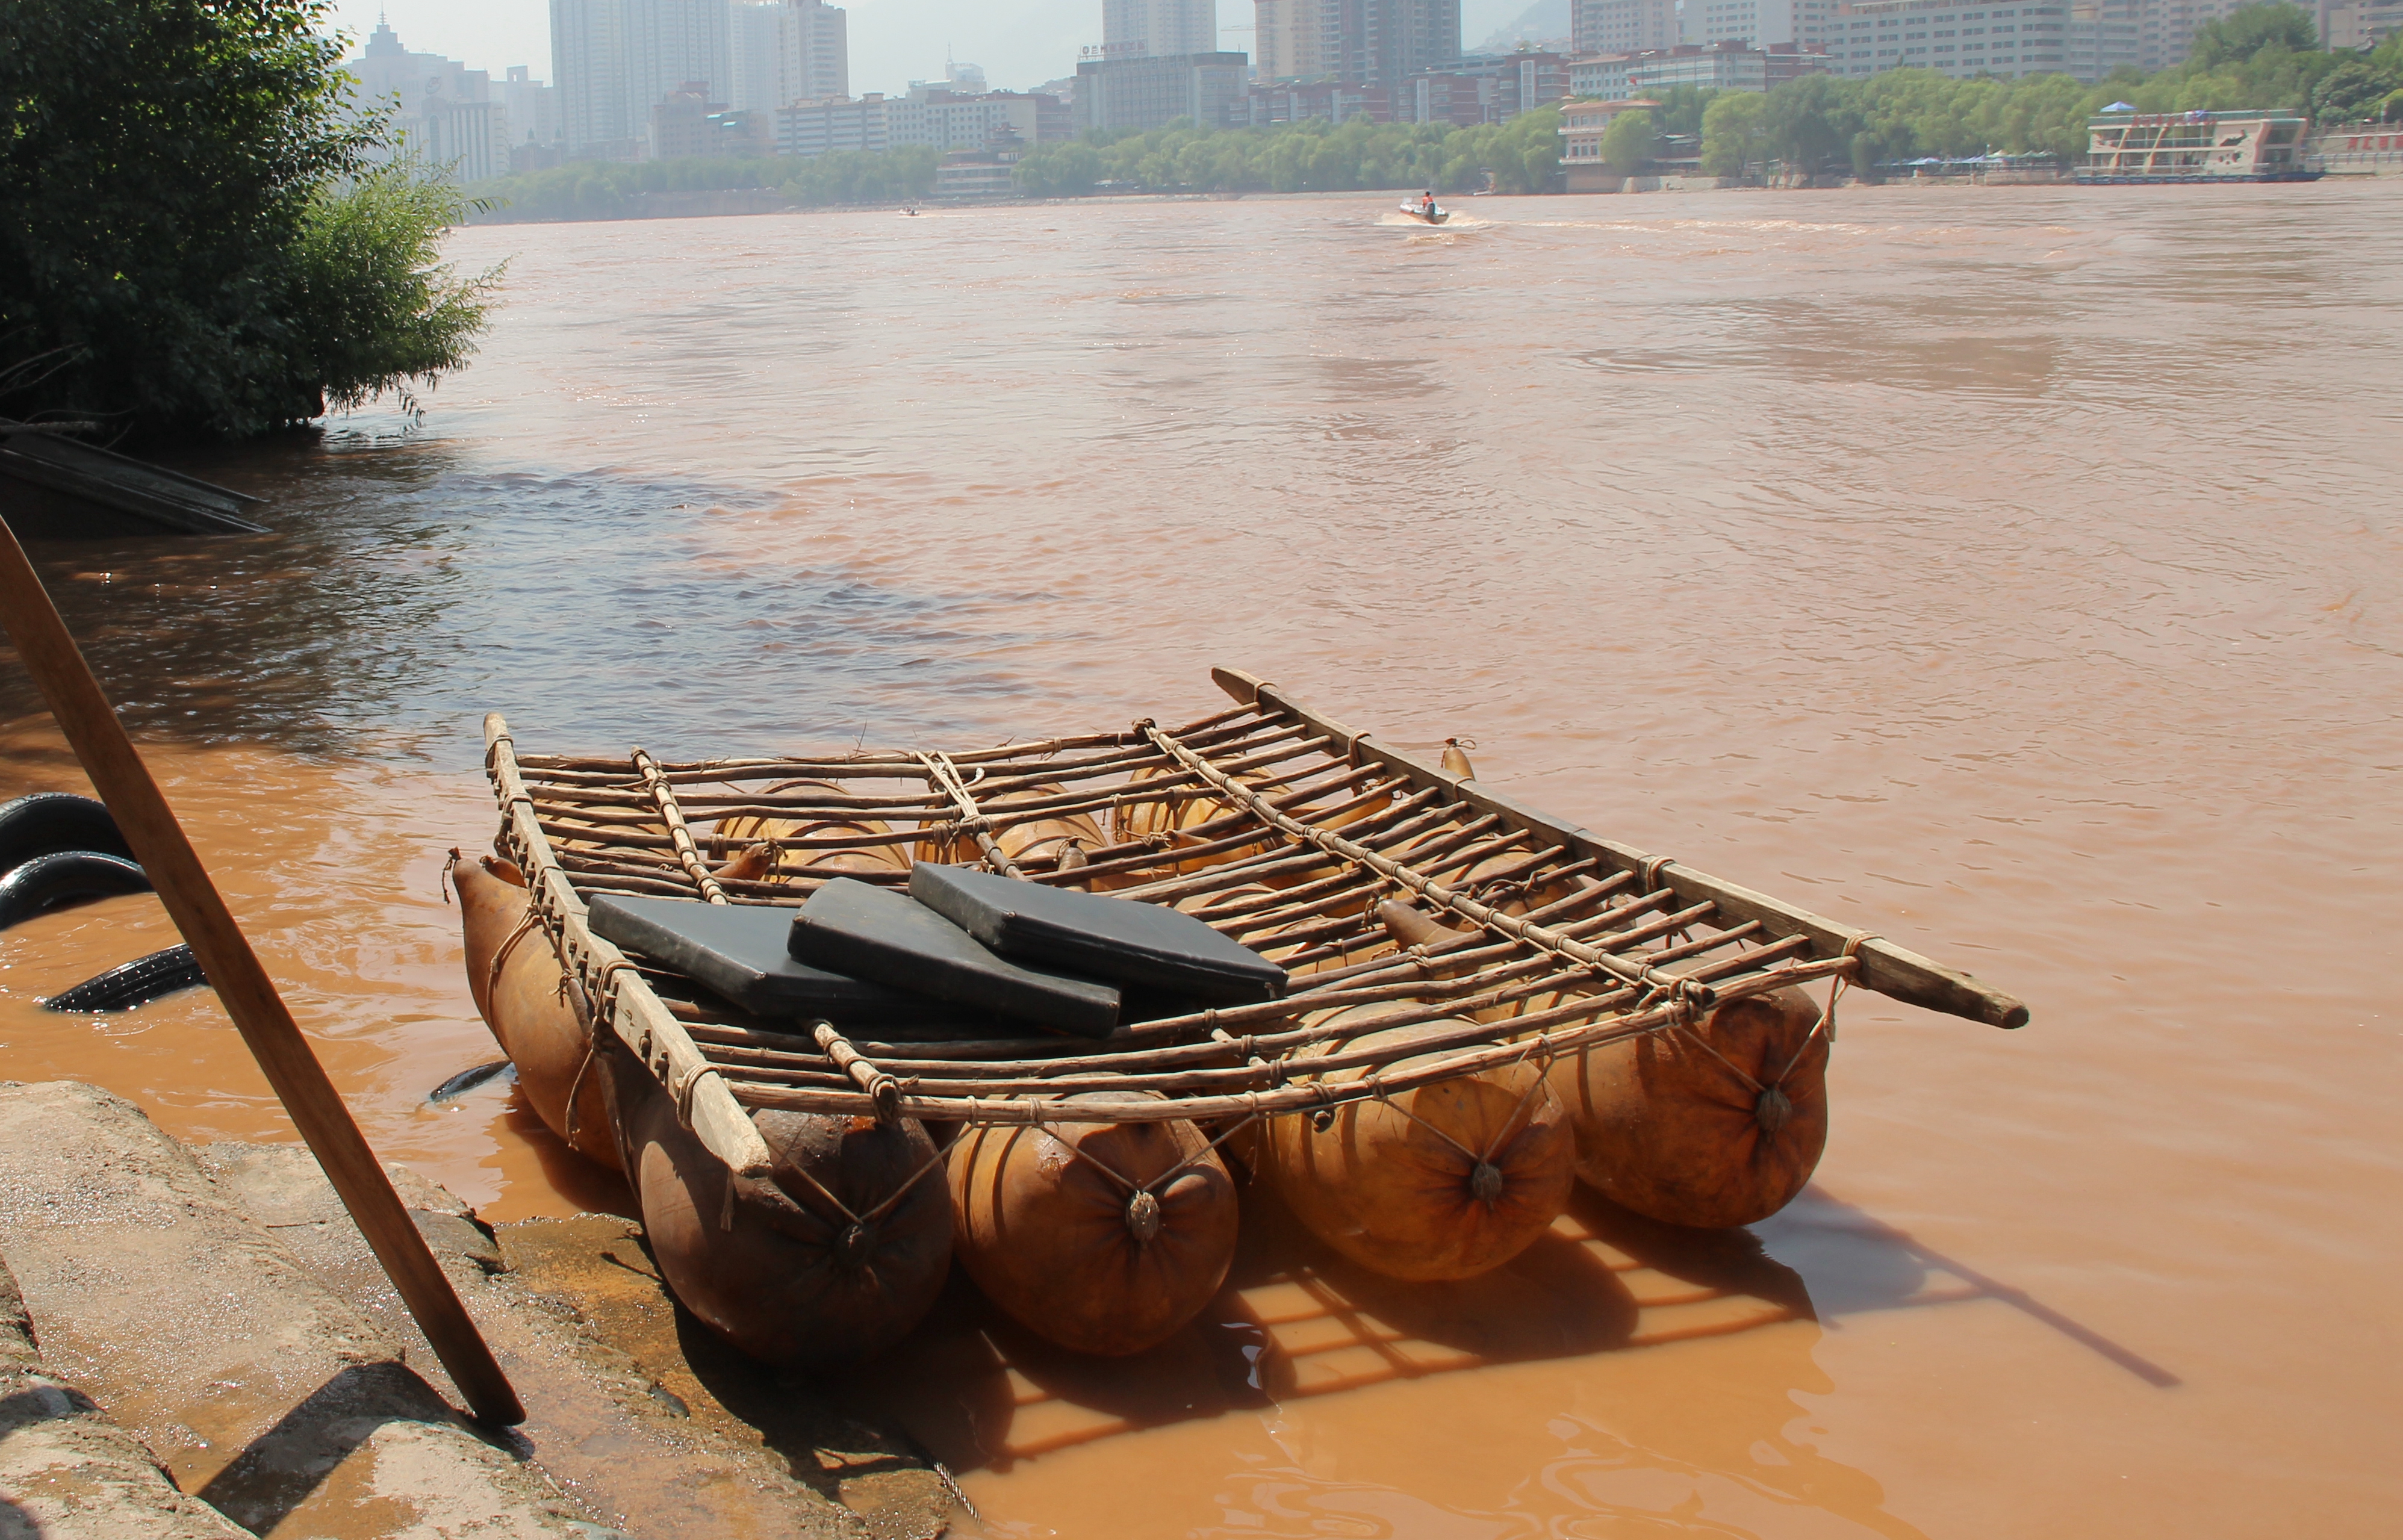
pixel 2011 572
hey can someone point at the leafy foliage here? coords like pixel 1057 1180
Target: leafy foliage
pixel 1311 156
pixel 376 307
pixel 595 189
pixel 1734 132
pixel 1628 142
pixel 176 176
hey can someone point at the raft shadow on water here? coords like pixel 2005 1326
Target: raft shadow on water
pixel 1294 1320
pixel 1864 1264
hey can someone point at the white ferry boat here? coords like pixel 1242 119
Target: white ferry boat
pixel 2247 144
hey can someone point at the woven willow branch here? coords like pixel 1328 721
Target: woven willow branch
pixel 619 997
pixel 1459 903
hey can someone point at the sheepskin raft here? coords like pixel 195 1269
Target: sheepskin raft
pixel 1484 1005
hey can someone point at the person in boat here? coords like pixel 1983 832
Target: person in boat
pixel 1426 206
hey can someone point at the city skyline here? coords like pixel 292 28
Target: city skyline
pixel 1021 43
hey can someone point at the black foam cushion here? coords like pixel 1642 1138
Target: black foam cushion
pixel 889 937
pixel 738 950
pixel 1116 938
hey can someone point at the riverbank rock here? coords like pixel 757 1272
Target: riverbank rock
pixel 66 1471
pixel 256 1389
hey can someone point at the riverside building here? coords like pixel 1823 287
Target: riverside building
pixel 1623 26
pixel 2241 145
pixel 1484 90
pixel 1147 93
pixel 1724 67
pixel 1963 40
pixel 932 115
pixel 1582 126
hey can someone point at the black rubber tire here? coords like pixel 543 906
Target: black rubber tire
pixel 48 823
pixel 134 983
pixel 69 877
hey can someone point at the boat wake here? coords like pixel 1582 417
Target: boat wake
pixel 1395 218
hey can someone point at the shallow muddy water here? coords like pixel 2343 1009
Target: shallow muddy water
pixel 2014 572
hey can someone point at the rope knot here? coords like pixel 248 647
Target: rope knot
pixel 1485 1182
pixel 1143 1218
pixel 852 1246
pixel 1771 1110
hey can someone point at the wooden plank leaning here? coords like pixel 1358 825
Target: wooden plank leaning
pixel 1893 971
pixel 242 983
pixel 625 1003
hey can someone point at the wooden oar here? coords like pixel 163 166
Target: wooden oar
pixel 250 997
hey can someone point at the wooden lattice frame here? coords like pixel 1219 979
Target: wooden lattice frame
pixel 1652 943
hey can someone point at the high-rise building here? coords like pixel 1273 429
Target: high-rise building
pixel 1147 93
pixel 2360 23
pixel 1623 26
pixel 754 42
pixel 1150 29
pixel 532 108
pixel 1759 23
pixel 670 43
pixel 615 59
pixel 815 57
pixel 783 51
pixel 1358 42
pixel 442 113
pixel 1964 38
pixel 587 61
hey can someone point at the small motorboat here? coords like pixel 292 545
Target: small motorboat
pixel 1424 217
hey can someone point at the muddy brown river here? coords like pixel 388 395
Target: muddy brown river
pixel 2014 572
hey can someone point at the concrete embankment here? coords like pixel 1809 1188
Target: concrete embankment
pixel 205 1347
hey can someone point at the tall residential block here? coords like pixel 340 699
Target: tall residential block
pixel 2360 23
pixel 1358 42
pixel 1152 29
pixel 446 114
pixel 588 63
pixel 754 40
pixel 1962 39
pixel 617 59
pixel 1759 24
pixel 1144 94
pixel 786 51
pixel 815 57
pixel 670 43
pixel 1623 26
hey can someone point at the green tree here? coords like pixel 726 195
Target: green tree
pixel 1810 122
pixel 376 305
pixel 2238 36
pixel 175 175
pixel 1628 144
pixel 1733 134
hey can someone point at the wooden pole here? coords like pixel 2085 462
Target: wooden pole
pixel 266 1023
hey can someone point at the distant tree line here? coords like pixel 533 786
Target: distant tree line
pixel 2258 56
pixel 613 189
pixel 1311 156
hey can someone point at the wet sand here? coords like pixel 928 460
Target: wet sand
pixel 2013 576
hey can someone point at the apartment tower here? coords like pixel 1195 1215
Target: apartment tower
pixel 1357 42
pixel 1158 29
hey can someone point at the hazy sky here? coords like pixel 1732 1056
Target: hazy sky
pixel 1021 43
